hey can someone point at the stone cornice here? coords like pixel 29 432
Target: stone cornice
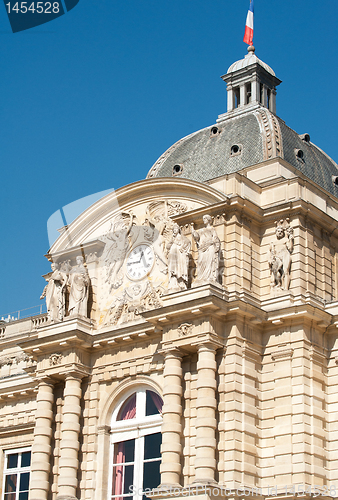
pixel 15 430
pixel 72 253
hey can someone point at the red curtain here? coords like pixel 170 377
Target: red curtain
pixel 157 400
pixel 128 411
pixel 119 458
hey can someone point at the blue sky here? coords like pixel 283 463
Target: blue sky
pixel 90 100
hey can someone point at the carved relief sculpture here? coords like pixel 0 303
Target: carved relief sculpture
pixel 55 292
pixel 208 244
pixel 184 329
pixel 79 289
pixel 116 249
pixel 178 251
pixel 55 359
pixel 280 256
pixel 153 232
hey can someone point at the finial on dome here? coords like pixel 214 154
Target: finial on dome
pixel 251 48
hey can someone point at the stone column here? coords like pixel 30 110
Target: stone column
pixel 171 448
pixel 69 446
pixel 265 96
pixel 40 462
pixel 230 98
pixel 205 462
pixel 255 91
pixel 273 101
pixel 242 92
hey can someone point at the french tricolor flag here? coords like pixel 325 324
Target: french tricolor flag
pixel 248 35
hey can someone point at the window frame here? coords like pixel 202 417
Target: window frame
pixel 15 470
pixel 136 428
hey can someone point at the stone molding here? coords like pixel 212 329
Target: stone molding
pixel 282 354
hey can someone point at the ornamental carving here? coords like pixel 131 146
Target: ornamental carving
pixel 184 329
pixel 137 247
pixel 55 359
pixel 16 359
pixel 279 259
pixel 132 302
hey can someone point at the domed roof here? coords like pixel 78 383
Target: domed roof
pixel 249 59
pixel 241 141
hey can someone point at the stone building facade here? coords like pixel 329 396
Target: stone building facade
pixel 190 343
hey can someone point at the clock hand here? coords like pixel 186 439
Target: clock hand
pixel 144 260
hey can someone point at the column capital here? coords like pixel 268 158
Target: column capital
pixel 104 429
pixel 173 352
pixel 211 345
pixel 74 375
pixel 45 380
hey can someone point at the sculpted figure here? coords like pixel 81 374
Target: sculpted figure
pixel 154 231
pixel 280 256
pixel 117 251
pixel 79 288
pixel 178 251
pixel 208 245
pixel 55 292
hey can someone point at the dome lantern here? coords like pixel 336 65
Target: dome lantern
pixel 250 81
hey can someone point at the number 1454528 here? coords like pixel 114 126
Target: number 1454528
pixel 33 7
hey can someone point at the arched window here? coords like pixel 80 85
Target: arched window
pixel 135 446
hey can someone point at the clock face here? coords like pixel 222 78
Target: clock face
pixel 139 262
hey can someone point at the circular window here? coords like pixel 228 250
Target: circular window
pixel 335 180
pixel 177 169
pixel 235 150
pixel 214 130
pixel 299 154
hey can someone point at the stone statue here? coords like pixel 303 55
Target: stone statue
pixel 79 289
pixel 280 256
pixel 208 245
pixel 178 251
pixel 55 294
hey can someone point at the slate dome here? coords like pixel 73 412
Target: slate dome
pixel 249 133
pixel 248 60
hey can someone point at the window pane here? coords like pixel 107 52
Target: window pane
pixel 128 410
pixel 10 484
pixel 152 444
pixel 24 481
pixel 12 461
pixel 26 459
pixel 128 478
pixel 154 403
pixel 151 474
pixel 9 496
pixel 123 476
pixel 23 496
pixel 124 452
